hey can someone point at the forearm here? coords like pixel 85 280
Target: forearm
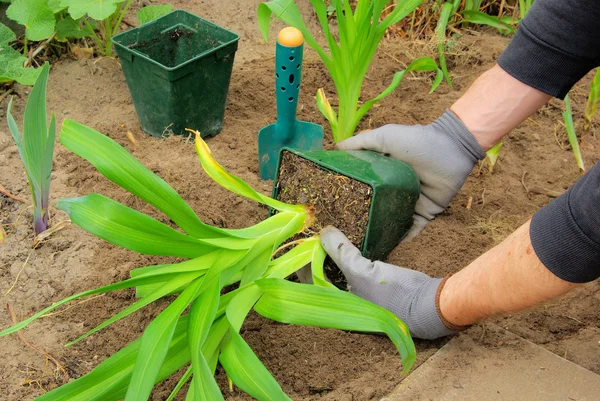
pixel 495 104
pixel 507 278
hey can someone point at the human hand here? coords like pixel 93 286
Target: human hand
pixel 410 295
pixel 442 154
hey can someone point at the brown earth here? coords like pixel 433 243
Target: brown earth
pixel 310 364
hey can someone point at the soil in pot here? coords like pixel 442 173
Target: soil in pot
pixel 336 200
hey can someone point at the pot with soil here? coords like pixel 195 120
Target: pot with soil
pixel 370 197
pixel 178 68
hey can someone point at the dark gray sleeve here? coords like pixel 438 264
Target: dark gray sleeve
pixel 566 233
pixel 556 44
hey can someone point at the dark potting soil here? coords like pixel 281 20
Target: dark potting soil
pixel 336 200
pixel 175 46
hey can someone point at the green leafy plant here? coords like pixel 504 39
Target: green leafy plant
pixel 592 102
pixel 570 127
pixel 36 148
pixel 348 60
pixel 449 15
pixel 200 327
pixel 150 13
pixel 36 15
pixel 12 62
pixel 107 13
pixel 524 6
pixel 492 156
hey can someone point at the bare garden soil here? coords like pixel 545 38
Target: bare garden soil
pixel 310 363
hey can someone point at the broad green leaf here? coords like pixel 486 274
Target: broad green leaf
pixel 109 380
pixel 96 9
pixel 37 17
pixel 11 67
pixel 69 28
pixel 6 36
pixel 56 6
pixel 150 13
pixel 202 313
pixel 119 166
pixel 440 31
pixel 155 342
pixel 130 229
pixel 478 17
pixel 311 305
pixel 235 184
pixel 247 372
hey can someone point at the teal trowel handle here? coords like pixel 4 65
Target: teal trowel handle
pixel 288 73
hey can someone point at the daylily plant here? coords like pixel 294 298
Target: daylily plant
pixel 200 328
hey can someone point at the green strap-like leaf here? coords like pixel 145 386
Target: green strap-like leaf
pixel 440 30
pixel 421 64
pixel 160 292
pixel 35 130
pixel 235 184
pixel 202 313
pixel 288 12
pixel 119 166
pixel 155 344
pixel 109 380
pixel 247 372
pixel 130 229
pixel 311 305
pixel 478 17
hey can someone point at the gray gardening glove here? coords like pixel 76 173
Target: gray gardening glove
pixel 409 294
pixel 442 154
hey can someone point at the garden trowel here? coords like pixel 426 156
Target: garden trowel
pixel 286 131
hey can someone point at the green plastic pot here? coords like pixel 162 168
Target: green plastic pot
pixel 178 68
pixel 395 192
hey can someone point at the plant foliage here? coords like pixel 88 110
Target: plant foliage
pixel 200 327
pixel 36 148
pixel 359 31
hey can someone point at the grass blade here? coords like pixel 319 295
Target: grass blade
pixel 421 64
pixel 592 102
pixel 570 127
pixel 480 18
pixel 440 31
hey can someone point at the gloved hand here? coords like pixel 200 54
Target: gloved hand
pixel 410 295
pixel 442 154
